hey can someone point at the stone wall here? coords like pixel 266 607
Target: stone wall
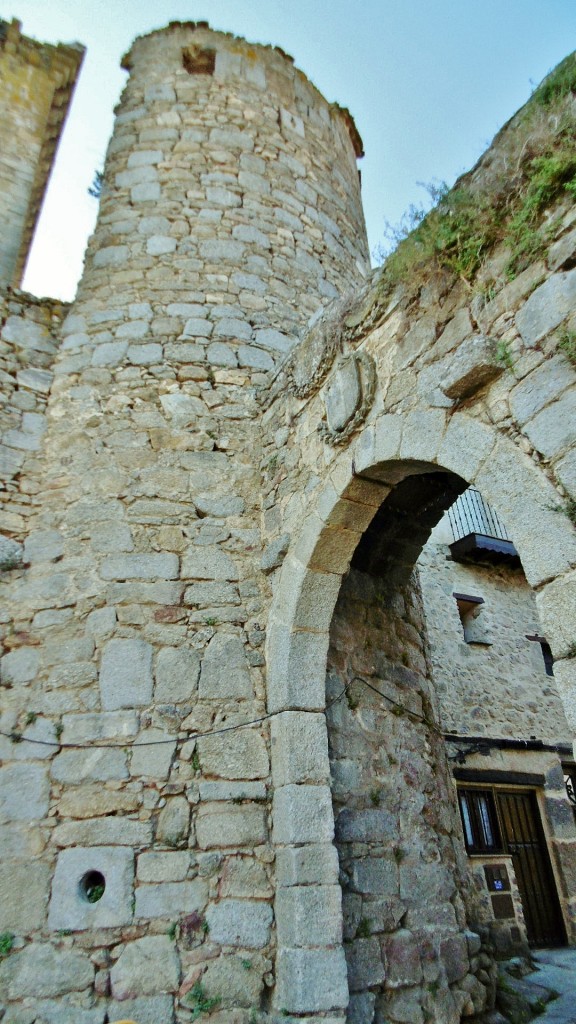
pixel 187 546
pixel 37 83
pixel 495 685
pixel 402 868
pixel 28 344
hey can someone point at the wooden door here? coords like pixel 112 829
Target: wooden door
pixel 523 839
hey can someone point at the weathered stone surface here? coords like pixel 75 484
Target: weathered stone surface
pixel 274 553
pixel 11 554
pixel 177 673
pixel 103 831
pixel 69 905
pixel 220 826
pixel 310 980
pixel 173 821
pixel 240 923
pixel 208 564
pixel 40 970
pixel 302 814
pixel 546 307
pixel 148 966
pixel 300 744
pixel 163 867
pixel 224 670
pixel 140 567
pixel 236 755
pixel 126 674
pixel 24 792
pixel 151 1010
pixel 365 967
pixel 19 666
pixel 92 765
pixel 309 915
pixel 235 984
pixel 169 899
pixel 306 865
pixel 24 892
pixel 472 366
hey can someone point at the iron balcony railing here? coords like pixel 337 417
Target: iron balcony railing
pixel 479 533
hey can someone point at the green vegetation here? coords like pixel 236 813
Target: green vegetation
pixel 503 355
pixel 375 797
pixel 559 83
pixel 197 1001
pixel 363 930
pixel 507 208
pixel 6 943
pixel 567 345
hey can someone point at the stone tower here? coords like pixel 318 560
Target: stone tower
pixel 37 82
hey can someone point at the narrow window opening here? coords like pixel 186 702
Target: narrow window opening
pixel 474 625
pixel 479 821
pixel 197 61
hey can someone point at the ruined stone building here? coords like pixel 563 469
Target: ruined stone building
pixel 288 558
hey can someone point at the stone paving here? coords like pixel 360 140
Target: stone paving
pixel 557 970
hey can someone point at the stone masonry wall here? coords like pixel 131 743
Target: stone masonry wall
pixel 230 213
pixel 397 829
pixel 497 686
pixel 28 344
pixel 36 80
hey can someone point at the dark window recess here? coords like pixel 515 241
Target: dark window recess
pixel 197 61
pixel 473 622
pixel 479 821
pixel 546 653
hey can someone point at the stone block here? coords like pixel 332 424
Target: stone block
pixel 274 553
pixel 243 923
pixel 208 563
pixel 173 821
pixel 19 666
pixel 311 980
pixel 402 960
pixel 105 725
pixel 224 671
pixel 375 875
pixel 235 984
pixel 361 1008
pixel 540 387
pixel 11 554
pixel 111 256
pixel 93 800
pixel 255 358
pixel 235 755
pixel 163 867
pixel 113 831
pixel 70 907
pixel 148 966
pixel 365 967
pixel 232 791
pixel 177 672
pixel 109 353
pixel 315 864
pixel 297 669
pixel 140 567
pixel 466 444
pixel 373 825
pixel 182 410
pixel 126 674
pixel 219 826
pixel 151 1010
pixel 40 970
pixel 553 430
pixel 547 307
pixel 145 355
pixel 24 892
pixel 53 1011
pixel 244 877
pixel 565 679
pixel 300 748
pixel 152 754
pixel 170 899
pixel 24 792
pixel 454 956
pixel 302 814
pixel 148 192
pixel 309 915
pixel 43 546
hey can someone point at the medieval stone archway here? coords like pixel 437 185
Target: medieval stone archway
pixel 443 457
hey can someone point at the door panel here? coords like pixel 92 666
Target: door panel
pixel 524 841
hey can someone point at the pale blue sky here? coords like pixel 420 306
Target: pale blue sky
pixel 429 82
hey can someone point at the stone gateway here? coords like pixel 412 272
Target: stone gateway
pixel 288 555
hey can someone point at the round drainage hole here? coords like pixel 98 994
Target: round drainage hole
pixel 92 886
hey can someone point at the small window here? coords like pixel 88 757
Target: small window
pixel 473 618
pixel 479 821
pixel 198 61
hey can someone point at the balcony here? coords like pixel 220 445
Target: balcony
pixel 480 536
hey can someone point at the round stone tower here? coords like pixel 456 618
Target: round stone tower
pixel 231 201
pixel 137 807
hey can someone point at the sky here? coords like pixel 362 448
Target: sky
pixel 429 83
